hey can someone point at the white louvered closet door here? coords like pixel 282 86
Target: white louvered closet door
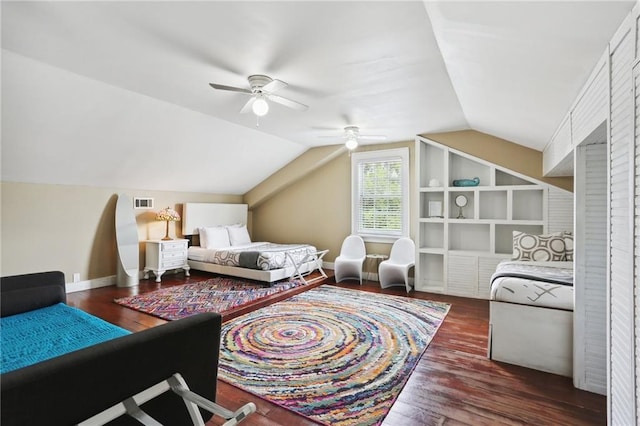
pixel 590 265
pixel 622 386
pixel 636 219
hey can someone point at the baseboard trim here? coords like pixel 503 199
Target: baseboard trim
pixel 90 284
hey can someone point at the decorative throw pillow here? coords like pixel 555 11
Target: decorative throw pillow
pixel 215 237
pixel 238 235
pixel 568 243
pixel 538 247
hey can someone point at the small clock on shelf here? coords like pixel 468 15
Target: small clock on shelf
pixel 461 201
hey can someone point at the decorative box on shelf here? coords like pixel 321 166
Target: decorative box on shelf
pixel 164 255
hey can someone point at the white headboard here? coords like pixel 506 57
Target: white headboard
pixel 199 215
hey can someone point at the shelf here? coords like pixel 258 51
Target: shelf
pixel 431 271
pixel 504 235
pixel 464 168
pixel 431 220
pixel 431 250
pixel 431 235
pixel 429 202
pixel 432 160
pixel 469 236
pixel 504 179
pixel 493 204
pixel 468 210
pixel 527 204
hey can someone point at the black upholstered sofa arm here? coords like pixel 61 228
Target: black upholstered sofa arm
pixel 22 293
pixel 73 387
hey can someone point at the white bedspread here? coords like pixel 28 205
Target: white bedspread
pixel 259 255
pixel 549 290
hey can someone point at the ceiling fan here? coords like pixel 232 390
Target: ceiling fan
pixel 352 136
pixel 262 88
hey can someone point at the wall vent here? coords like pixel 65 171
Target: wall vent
pixel 142 203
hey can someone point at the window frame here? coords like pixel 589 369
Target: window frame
pixel 358 158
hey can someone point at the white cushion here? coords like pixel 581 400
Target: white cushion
pixel 238 235
pixel 214 237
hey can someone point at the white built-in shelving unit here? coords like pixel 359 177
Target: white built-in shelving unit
pixel 458 256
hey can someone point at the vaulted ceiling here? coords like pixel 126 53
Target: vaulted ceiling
pixel 117 93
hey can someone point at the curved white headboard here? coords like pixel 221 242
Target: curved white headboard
pixel 199 215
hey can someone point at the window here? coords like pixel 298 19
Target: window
pixel 380 194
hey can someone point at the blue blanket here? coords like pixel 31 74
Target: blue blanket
pixel 45 333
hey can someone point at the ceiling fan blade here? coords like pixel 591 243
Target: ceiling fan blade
pixel 288 102
pixel 230 88
pixel 372 137
pixel 247 107
pixel 274 86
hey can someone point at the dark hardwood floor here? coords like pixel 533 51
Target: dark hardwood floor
pixel 453 384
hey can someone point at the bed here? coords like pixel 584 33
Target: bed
pixel 107 372
pixel 531 314
pixel 220 243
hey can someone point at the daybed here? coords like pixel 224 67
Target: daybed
pixel 531 315
pixel 76 386
pixel 223 246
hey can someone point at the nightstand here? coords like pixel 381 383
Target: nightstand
pixel 163 255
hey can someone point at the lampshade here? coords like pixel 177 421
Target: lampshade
pixel 260 107
pixel 168 214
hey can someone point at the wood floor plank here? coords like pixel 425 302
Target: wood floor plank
pixel 453 384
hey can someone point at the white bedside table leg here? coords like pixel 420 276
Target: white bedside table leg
pixel 158 275
pixel 186 270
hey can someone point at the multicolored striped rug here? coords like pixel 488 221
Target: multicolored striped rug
pixel 220 294
pixel 336 356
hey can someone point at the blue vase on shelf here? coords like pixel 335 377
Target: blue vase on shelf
pixel 467 182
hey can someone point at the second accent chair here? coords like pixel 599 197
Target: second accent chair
pixel 395 270
pixel 348 265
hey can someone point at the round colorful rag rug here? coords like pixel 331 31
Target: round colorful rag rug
pixel 337 356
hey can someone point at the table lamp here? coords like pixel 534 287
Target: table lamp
pixel 168 215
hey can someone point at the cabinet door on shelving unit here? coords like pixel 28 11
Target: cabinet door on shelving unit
pixel 462 275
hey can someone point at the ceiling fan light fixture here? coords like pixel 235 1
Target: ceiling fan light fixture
pixel 352 143
pixel 260 107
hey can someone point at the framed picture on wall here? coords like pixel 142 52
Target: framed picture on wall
pixel 435 209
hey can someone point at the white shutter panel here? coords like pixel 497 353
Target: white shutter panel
pixel 590 322
pixel 560 210
pixel 622 339
pixel 636 217
pixel 593 107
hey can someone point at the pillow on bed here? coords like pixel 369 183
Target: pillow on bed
pixel 568 243
pixel 238 235
pixel 538 247
pixel 214 237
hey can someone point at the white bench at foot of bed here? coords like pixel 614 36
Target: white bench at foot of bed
pixel 269 276
pixel 532 336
